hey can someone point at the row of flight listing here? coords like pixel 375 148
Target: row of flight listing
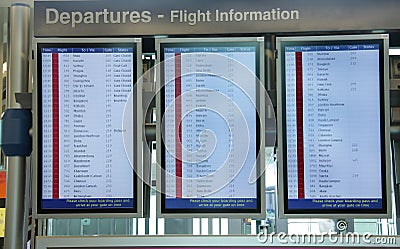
pixel 210 126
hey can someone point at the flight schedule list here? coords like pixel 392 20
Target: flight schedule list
pixel 208 106
pixel 333 127
pixel 84 93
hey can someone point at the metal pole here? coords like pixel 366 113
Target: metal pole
pixel 396 180
pixel 18 77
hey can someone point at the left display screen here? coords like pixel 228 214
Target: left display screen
pixel 84 93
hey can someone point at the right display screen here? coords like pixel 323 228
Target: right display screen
pixel 332 139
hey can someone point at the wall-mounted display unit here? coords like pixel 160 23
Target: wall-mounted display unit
pixel 88 127
pixel 210 123
pixel 333 133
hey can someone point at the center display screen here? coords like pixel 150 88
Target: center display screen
pixel 210 127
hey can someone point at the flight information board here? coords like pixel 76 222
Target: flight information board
pixel 84 93
pixel 210 126
pixel 333 130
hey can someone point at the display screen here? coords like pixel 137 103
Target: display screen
pixel 210 127
pixel 84 90
pixel 333 126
